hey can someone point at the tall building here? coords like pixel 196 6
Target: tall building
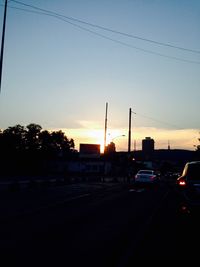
pixel 148 146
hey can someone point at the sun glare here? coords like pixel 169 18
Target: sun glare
pixel 98 138
pixel 86 136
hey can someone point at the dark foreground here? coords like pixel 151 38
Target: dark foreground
pixel 96 225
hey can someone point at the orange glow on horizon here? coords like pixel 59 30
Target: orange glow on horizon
pixel 86 136
pixel 179 139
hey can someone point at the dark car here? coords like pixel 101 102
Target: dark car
pixel 188 185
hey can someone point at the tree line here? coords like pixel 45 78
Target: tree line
pixel 29 149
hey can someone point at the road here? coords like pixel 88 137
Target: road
pixel 99 225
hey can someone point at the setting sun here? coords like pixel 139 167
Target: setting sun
pixel 98 137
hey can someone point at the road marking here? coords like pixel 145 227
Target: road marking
pixel 77 197
pixel 137 190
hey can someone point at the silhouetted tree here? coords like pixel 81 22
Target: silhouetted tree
pixel 12 146
pixel 28 148
pixel 61 144
pixel 45 144
pixel 55 143
pixel 14 138
pixel 32 136
pixel 198 146
pixel 198 150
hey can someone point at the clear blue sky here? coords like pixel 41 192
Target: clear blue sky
pixel 59 72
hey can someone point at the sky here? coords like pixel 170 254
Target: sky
pixel 64 60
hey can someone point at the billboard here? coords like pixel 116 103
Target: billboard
pixel 89 150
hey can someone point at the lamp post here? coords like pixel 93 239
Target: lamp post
pixel 117 137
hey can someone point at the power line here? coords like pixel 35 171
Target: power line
pixel 52 14
pixel 109 29
pixel 162 122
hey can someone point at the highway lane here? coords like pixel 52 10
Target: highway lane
pixel 28 200
pixel 102 228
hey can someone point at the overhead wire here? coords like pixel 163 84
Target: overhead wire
pixel 159 121
pixel 109 29
pixel 62 17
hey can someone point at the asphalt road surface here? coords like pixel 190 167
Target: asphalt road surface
pixel 99 225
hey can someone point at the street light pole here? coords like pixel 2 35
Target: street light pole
pixel 117 137
pixel 121 135
pixel 2 42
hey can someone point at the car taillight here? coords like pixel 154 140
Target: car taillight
pixel 152 177
pixel 182 182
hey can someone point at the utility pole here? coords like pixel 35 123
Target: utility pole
pixel 129 132
pixel 129 147
pixel 105 133
pixel 2 42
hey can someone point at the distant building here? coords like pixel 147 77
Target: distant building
pixel 148 147
pixel 110 148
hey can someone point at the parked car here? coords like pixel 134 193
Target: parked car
pixel 146 177
pixel 188 185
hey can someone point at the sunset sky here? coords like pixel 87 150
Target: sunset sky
pixel 65 59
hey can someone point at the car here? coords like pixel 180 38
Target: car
pixel 188 185
pixel 146 177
